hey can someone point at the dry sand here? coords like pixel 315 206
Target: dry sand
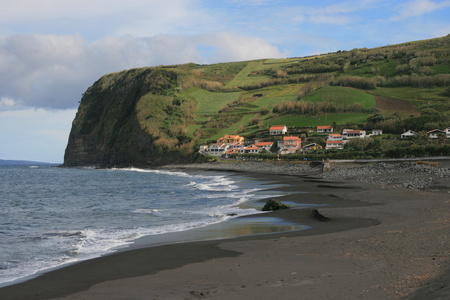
pixel 379 242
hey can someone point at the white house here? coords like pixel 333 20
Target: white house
pixel 264 146
pixel 324 128
pixel 278 129
pixel 351 133
pixel 237 146
pixel 249 149
pixel 409 134
pixel 335 137
pixel 335 145
pixel 447 132
pixel 434 134
pixel 377 131
pixel 217 149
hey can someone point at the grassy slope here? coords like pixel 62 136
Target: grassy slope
pixel 210 103
pixel 342 95
pixel 234 75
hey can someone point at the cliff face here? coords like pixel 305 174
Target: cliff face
pixel 106 130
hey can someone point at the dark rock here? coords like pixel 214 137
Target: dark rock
pixel 274 205
pixel 320 217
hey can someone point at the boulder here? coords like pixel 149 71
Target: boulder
pixel 272 204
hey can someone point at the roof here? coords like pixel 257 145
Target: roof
pixel 295 138
pixel 354 131
pixel 231 151
pixel 262 144
pixel 334 142
pixel 324 127
pixel 277 127
pixel 435 130
pixel 335 134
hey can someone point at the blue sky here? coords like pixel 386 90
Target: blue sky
pixel 51 51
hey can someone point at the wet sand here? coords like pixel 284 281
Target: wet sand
pixel 377 242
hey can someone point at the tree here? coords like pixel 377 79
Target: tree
pixel 359 144
pixel 274 148
pixel 375 118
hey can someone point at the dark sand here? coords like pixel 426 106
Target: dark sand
pixel 377 243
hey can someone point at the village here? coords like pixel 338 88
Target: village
pixel 283 143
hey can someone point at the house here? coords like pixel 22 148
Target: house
pixel 249 149
pixel 351 133
pixel 237 145
pixel 278 129
pixel 290 144
pixel 230 139
pixel 229 152
pixel 447 132
pixel 311 147
pixel 217 149
pixel 377 131
pixel 434 134
pixel 324 129
pixel 335 137
pixel 409 134
pixel 264 146
pixel 335 145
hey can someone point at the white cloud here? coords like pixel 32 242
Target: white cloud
pixel 7 102
pixel 418 7
pixel 52 71
pixel 231 47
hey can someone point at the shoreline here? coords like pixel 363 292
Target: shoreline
pixel 388 242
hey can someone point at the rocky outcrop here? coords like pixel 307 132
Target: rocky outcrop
pixel 106 131
pixel 272 204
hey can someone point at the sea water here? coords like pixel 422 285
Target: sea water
pixel 52 216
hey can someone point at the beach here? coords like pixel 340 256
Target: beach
pixel 377 232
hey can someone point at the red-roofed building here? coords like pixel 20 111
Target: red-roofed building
pixel 351 133
pixel 230 139
pixel 249 149
pixel 290 144
pixel 278 129
pixel 434 134
pixel 324 128
pixel 264 145
pixel 230 152
pixel 335 137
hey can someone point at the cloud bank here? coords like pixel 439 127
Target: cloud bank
pixel 52 71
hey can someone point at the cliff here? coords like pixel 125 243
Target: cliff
pixel 106 130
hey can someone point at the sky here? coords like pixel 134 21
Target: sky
pixel 51 51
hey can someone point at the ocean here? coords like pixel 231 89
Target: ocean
pixel 51 217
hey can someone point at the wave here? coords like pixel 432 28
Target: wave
pixel 133 169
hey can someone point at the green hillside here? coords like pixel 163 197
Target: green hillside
pixel 179 107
